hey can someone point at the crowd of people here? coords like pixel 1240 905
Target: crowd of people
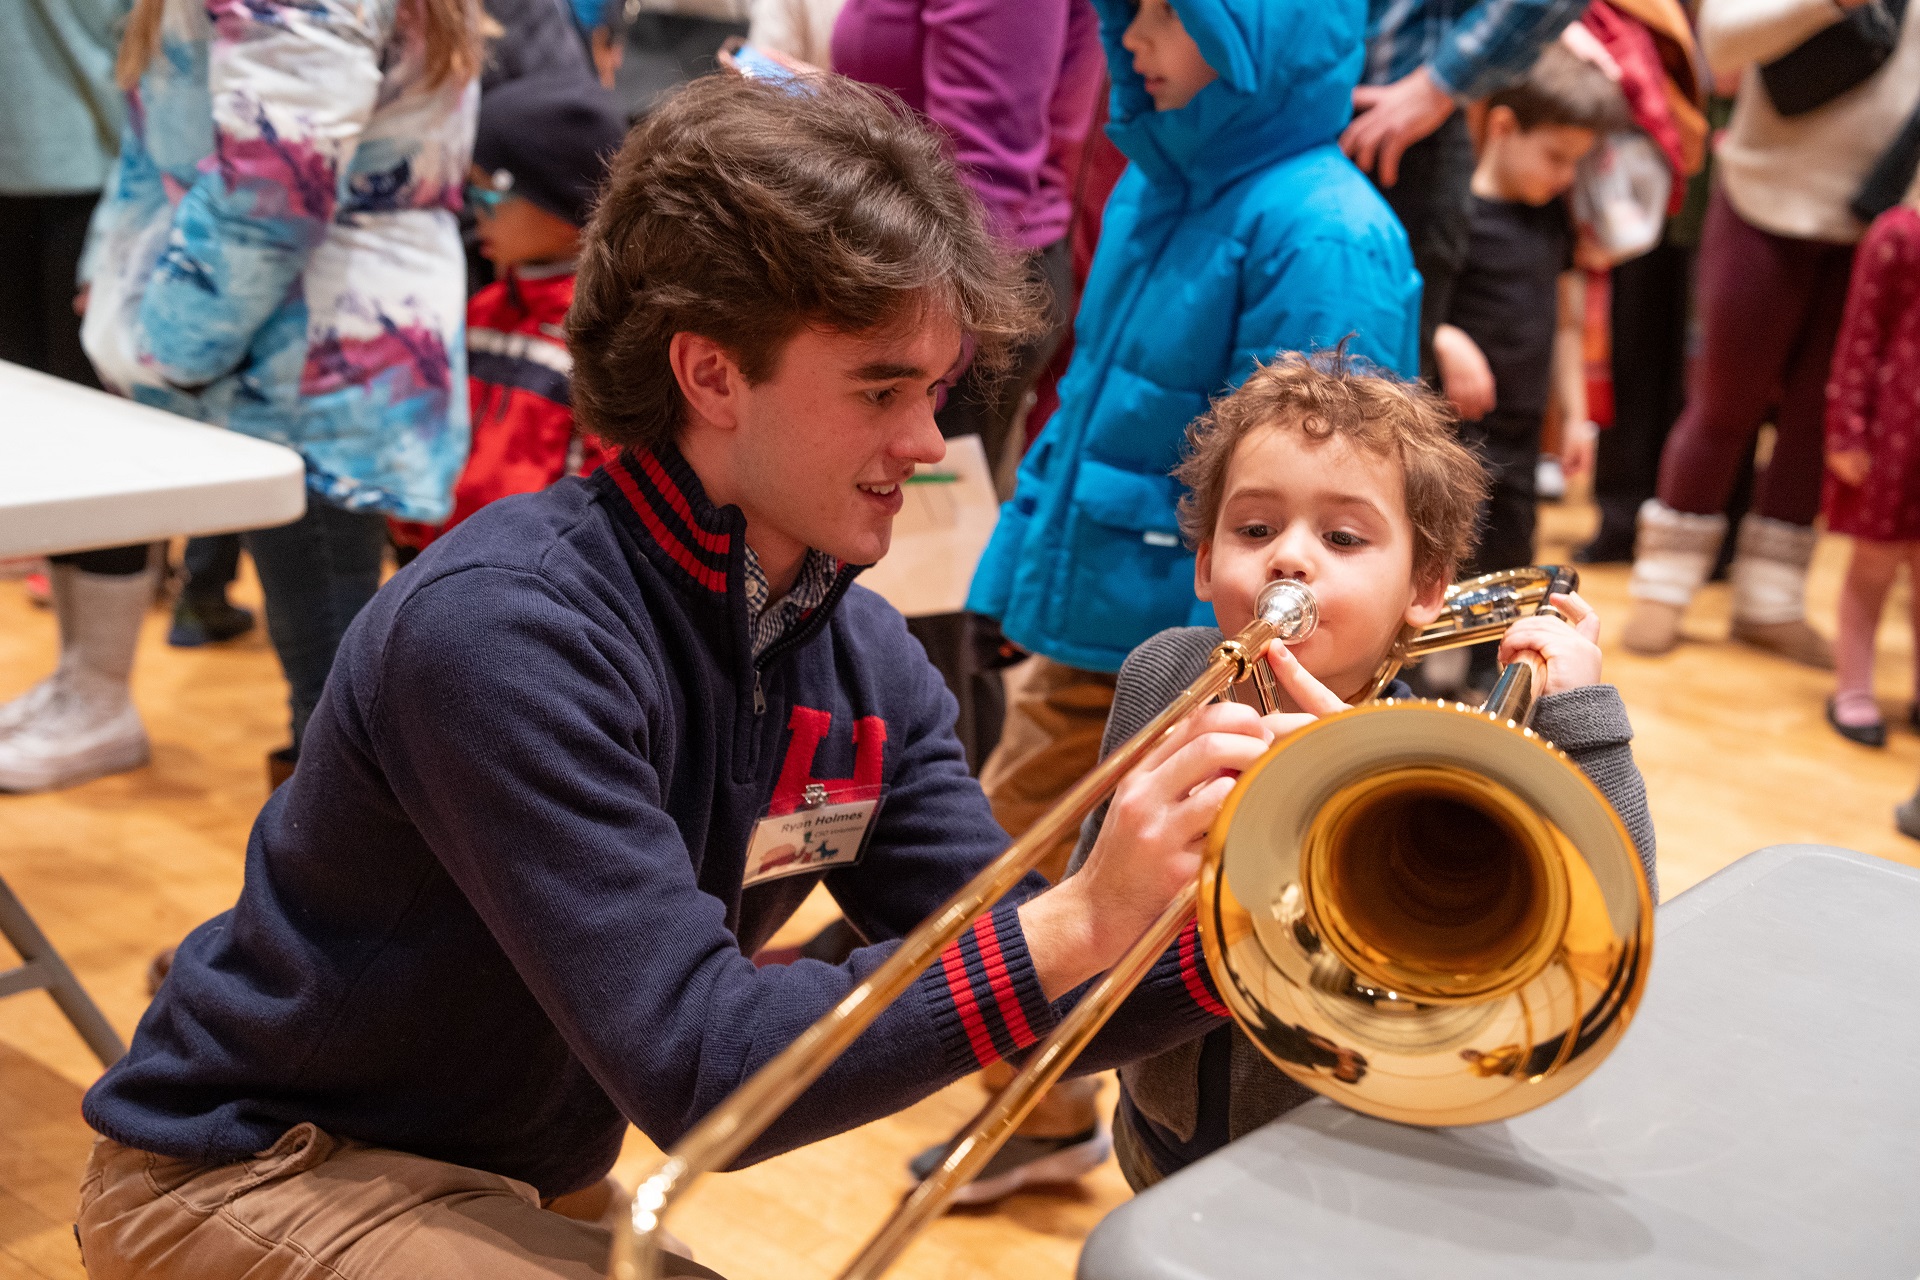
pixel 625 383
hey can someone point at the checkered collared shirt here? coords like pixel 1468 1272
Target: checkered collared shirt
pixel 1469 47
pixel 768 620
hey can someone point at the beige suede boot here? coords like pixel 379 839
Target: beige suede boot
pixel 1672 557
pixel 1770 591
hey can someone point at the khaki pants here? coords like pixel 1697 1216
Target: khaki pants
pixel 1056 715
pixel 315 1207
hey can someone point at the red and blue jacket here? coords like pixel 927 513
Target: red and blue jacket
pixel 499 911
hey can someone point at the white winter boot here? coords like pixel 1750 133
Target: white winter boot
pixel 80 722
pixel 20 710
pixel 1770 591
pixel 1672 557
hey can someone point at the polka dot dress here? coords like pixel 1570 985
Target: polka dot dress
pixel 1873 392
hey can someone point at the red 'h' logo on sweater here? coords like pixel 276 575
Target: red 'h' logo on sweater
pixel 810 727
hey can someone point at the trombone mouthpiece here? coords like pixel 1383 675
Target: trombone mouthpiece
pixel 1290 607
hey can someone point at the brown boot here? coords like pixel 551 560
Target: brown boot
pixel 1653 627
pixel 1672 556
pixel 1796 641
pixel 158 968
pixel 1770 591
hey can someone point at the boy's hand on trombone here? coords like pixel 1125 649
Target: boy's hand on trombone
pixel 1148 849
pixel 1570 646
pixel 1302 688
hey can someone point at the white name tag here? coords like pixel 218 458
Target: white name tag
pixel 811 838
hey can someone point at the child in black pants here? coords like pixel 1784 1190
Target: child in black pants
pixel 1496 352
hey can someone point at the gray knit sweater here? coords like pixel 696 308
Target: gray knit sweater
pixel 1589 724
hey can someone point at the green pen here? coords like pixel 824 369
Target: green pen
pixel 934 477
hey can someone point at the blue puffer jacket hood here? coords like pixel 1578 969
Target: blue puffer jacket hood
pixel 1238 232
pixel 1287 70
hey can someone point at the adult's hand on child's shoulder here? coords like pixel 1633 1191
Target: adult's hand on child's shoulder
pixel 1570 646
pixel 1389 118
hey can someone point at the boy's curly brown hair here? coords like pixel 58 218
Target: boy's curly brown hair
pixel 742 209
pixel 1331 394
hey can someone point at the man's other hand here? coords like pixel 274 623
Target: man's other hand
pixel 1148 849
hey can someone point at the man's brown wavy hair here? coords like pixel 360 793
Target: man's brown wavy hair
pixel 742 210
pixel 1333 394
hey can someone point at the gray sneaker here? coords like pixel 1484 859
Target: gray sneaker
pixel 21 710
pixel 1024 1162
pixel 88 729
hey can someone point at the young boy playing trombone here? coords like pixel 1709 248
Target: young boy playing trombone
pixel 1354 484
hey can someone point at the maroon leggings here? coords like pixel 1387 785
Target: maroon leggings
pixel 1770 311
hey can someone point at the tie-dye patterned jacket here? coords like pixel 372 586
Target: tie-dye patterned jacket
pixel 277 249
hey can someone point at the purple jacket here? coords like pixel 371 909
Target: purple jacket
pixel 1012 82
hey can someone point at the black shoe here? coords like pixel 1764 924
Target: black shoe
pixel 1906 818
pixel 1607 547
pixel 157 970
pixel 1024 1162
pixel 1867 735
pixel 198 622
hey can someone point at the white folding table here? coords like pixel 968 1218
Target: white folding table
pixel 943 527
pixel 80 469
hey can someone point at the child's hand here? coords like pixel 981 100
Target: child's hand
pixel 1465 375
pixel 1850 465
pixel 1313 698
pixel 1578 441
pixel 1570 646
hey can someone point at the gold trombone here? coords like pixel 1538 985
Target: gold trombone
pixel 1417 908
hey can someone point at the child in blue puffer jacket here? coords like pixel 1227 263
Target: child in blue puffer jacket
pixel 1238 232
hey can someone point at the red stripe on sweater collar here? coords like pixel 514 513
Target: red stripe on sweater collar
pixel 664 494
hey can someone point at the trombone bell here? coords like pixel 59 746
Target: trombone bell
pixel 1426 913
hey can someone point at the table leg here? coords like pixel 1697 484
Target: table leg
pixel 44 969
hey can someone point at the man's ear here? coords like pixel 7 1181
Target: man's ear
pixel 708 377
pixel 1428 601
pixel 1203 571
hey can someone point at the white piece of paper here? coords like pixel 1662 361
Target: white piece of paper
pixel 939 535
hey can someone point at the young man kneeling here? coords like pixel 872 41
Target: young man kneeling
pixel 578 761
pixel 1354 484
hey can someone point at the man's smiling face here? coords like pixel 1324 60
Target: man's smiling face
pixel 817 452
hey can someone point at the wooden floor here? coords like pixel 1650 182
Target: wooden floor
pixel 1732 743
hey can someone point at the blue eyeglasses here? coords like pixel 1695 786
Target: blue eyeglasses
pixel 488 199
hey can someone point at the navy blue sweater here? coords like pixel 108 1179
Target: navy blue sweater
pixel 498 910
